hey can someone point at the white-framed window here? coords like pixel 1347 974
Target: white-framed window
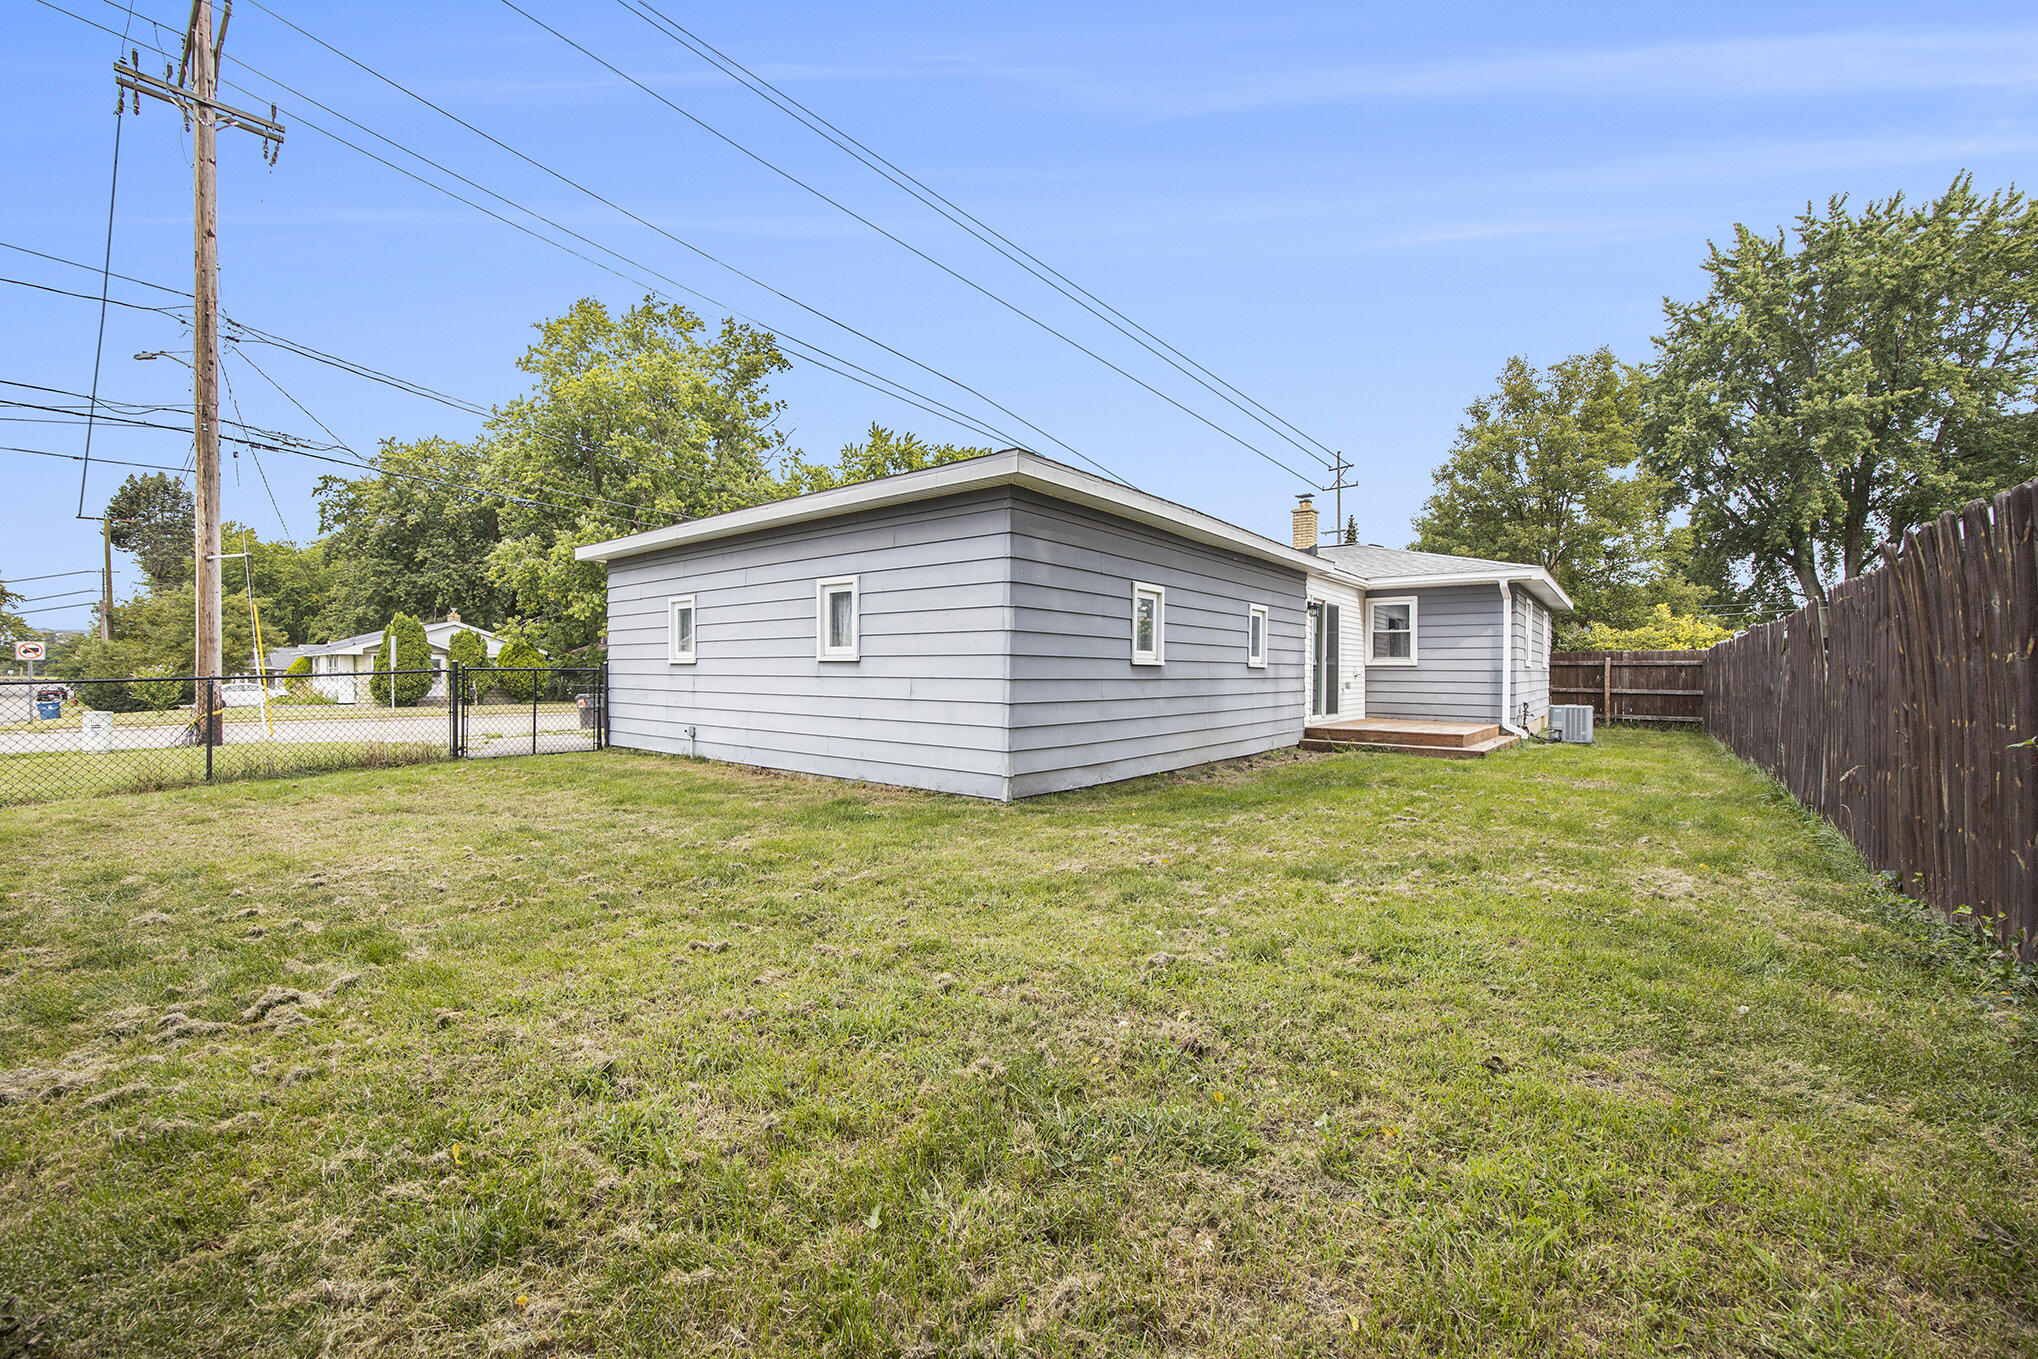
pixel 680 623
pixel 1256 636
pixel 838 630
pixel 1149 624
pixel 1391 631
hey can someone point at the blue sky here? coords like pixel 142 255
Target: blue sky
pixel 1354 213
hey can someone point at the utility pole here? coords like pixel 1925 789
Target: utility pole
pixel 1337 488
pixel 199 103
pixel 106 579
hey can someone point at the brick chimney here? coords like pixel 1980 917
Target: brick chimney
pixel 1305 523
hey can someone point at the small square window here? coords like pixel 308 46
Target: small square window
pixel 1149 624
pixel 1392 635
pixel 838 629
pixel 679 630
pixel 1256 636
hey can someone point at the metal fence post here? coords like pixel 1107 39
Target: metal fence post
pixel 604 692
pixel 452 709
pixel 535 683
pixel 204 694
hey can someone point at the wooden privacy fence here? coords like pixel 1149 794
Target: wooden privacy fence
pixel 1901 723
pixel 1631 686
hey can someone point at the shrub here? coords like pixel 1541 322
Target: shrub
pixel 413 652
pixel 1664 631
pixel 155 690
pixel 520 685
pixel 109 696
pixel 468 649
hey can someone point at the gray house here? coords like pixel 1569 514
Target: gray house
pixel 1009 625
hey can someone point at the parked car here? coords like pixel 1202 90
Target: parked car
pixel 241 693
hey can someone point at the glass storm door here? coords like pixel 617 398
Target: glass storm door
pixel 1323 658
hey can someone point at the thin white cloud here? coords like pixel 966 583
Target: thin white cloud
pixel 1788 66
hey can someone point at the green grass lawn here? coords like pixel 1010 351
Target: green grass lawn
pixel 1595 1051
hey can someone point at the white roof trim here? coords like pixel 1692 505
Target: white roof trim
pixel 1540 583
pixel 1013 467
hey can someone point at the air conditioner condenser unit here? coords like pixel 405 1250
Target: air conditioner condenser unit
pixel 1571 723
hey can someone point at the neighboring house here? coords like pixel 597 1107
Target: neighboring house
pixel 1005 626
pixel 340 670
pixel 1478 634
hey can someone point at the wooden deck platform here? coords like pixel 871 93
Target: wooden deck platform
pixel 1408 736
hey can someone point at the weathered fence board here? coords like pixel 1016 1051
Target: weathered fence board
pixel 1631 686
pixel 1898 711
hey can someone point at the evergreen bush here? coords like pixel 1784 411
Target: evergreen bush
pixel 468 649
pixel 413 652
pixel 520 685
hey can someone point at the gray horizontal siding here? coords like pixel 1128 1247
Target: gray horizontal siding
pixel 923 706
pixel 1081 711
pixel 1531 671
pixel 1457 646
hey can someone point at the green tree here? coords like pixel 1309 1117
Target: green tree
pixel 881 454
pixel 413 654
pixel 12 626
pixel 1847 380
pixel 521 679
pixel 633 421
pixel 1661 630
pixel 1543 471
pixel 292 585
pixel 1351 529
pixel 152 630
pixel 151 518
pixel 409 539
pixel 471 651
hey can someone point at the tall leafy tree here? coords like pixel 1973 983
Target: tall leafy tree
pixel 1543 471
pixel 632 421
pixel 1847 379
pixel 881 454
pixel 410 539
pixel 151 518
pixel 292 584
pixel 11 625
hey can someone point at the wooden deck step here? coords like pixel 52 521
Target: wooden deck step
pixel 1398 731
pixel 1478 750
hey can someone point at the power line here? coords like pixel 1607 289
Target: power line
pixel 875 381
pixel 247 332
pixel 964 279
pixel 73 457
pixel 975 226
pixel 54 575
pixel 106 266
pixel 61 594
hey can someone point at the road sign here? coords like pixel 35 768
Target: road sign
pixel 28 651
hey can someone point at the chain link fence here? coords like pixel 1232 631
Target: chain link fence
pixel 125 734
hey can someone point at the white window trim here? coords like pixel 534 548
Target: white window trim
pixel 673 655
pixel 1159 654
pixel 1414 631
pixel 824 588
pixel 1253 611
